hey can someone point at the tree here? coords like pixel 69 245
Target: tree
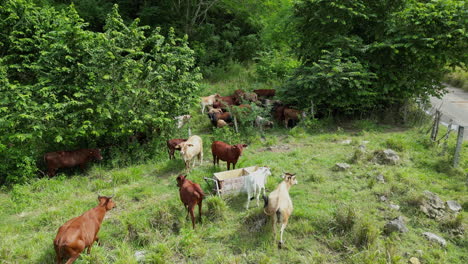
pixel 360 55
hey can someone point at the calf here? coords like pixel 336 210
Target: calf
pixel 68 159
pixel 255 182
pixel 171 146
pixel 81 232
pixel 292 114
pixel 191 148
pixel 182 120
pixel 215 111
pixel 207 101
pixel 190 194
pixel 221 123
pixel 279 204
pixel 214 117
pixel 265 92
pixel 226 152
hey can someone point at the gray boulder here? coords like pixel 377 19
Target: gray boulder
pixel 435 238
pixel 396 225
pixel 454 206
pixel 386 157
pixel 432 205
pixel 342 166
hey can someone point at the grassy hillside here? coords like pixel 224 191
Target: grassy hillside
pixel 338 216
pixel 458 78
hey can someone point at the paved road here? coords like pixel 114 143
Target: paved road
pixel 454 105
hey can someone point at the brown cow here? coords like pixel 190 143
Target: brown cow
pixel 238 96
pixel 265 92
pixel 226 152
pixel 190 194
pixel 292 114
pixel 214 117
pixel 68 159
pixel 226 101
pixel 81 232
pixel 171 146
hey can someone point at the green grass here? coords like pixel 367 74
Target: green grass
pixel 337 218
pixel 458 78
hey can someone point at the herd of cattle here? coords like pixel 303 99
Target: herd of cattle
pixel 81 232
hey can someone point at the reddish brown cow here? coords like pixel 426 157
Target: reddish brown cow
pixel 226 152
pixel 291 114
pixel 265 92
pixel 214 117
pixel 278 112
pixel 68 159
pixel 81 232
pixel 171 146
pixel 190 194
pixel 226 100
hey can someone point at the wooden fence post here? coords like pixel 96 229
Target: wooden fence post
pixel 435 128
pixel 456 157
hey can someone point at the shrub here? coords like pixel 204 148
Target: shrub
pixel 365 233
pixel 345 218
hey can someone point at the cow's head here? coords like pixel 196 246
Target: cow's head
pixel 183 147
pixel 240 147
pixel 180 180
pixel 289 178
pixel 95 153
pixel 106 201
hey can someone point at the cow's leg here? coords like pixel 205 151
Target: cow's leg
pixel 201 157
pixel 258 196
pixel 273 222
pixel 228 165
pixel 214 159
pixel 286 122
pixel 72 259
pixel 234 166
pixel 51 172
pixel 58 258
pixel 202 108
pixel 192 215
pixel 248 200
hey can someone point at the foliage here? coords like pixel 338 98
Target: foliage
pixel 458 78
pixel 275 65
pixel 365 54
pixel 64 87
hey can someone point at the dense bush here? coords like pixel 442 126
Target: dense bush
pixel 365 54
pixel 64 87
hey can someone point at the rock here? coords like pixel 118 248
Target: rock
pixel 453 206
pixel 380 178
pixel 383 198
pixel 414 260
pixel 435 238
pixel 432 205
pixel 345 142
pixel 420 252
pixel 342 166
pixel 395 225
pixel 365 142
pixel 362 148
pixel 140 255
pixel 394 206
pixel 386 157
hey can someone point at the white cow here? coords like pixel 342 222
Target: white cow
pixel 191 148
pixel 255 182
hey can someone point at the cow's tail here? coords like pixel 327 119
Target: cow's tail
pixel 265 206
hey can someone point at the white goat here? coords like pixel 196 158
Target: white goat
pixel 191 148
pixel 182 120
pixel 279 204
pixel 208 101
pixel 256 182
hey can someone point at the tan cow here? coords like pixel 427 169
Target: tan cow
pixel 208 101
pixel 279 204
pixel 191 148
pixel 81 232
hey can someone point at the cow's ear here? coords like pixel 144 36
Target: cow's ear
pixel 245 145
pixel 190 145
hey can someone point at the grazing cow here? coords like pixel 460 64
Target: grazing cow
pixel 251 97
pixel 238 96
pixel 215 110
pixel 263 122
pixel 226 152
pixel 191 148
pixel 226 101
pixel 279 204
pixel 214 117
pixel 182 120
pixel 265 92
pixel 207 101
pixel 190 194
pixel 171 146
pixel 278 112
pixel 81 232
pixel 221 123
pixel 292 114
pixel 255 182
pixel 67 159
